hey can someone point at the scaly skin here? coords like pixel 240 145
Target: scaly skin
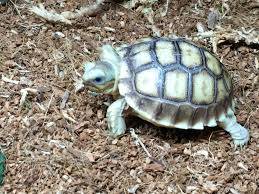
pixel 239 134
pixel 116 121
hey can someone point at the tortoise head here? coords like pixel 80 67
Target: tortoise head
pixel 102 76
pixel 99 76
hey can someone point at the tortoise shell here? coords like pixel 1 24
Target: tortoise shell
pixel 174 83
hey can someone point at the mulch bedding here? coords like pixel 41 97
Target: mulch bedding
pixel 48 153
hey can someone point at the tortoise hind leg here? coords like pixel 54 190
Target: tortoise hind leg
pixel 116 122
pixel 239 134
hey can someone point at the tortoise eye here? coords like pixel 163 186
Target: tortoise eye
pixel 98 80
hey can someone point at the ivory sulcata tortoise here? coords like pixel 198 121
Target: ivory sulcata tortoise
pixel 169 82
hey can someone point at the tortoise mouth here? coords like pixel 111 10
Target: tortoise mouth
pixel 104 88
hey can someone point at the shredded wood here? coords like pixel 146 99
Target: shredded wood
pixel 221 35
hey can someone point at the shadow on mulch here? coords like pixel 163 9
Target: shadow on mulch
pixel 175 135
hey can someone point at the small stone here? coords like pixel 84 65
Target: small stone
pixel 155 167
pixel 100 114
pixel 65 177
pixel 115 141
pixel 58 35
pixel 50 124
pixel 133 173
pixel 148 160
pixel 210 187
pixel 122 23
pixel 26 121
pixel 205 153
pixel 109 29
pixel 76 37
pixel 12 30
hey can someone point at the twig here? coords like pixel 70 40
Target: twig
pixel 16 8
pixel 51 16
pixel 134 135
pixel 47 110
pixel 180 189
pixel 67 16
pixel 67 117
pixel 5 79
pixel 164 13
pixel 4 94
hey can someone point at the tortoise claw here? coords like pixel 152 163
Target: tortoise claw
pixel 240 143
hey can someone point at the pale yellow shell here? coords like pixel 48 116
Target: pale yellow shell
pixel 174 83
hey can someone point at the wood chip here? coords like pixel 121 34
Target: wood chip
pixel 155 167
pixel 24 93
pixel 90 157
pixel 241 165
pixel 64 99
pixel 67 117
pixel 5 79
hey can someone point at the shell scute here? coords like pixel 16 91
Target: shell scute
pixel 184 113
pixel 150 77
pixel 190 55
pixel 203 88
pixel 176 85
pixel 139 48
pixel 213 63
pixel 165 52
pixel 198 118
pixel 141 58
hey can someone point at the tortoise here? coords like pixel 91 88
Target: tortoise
pixel 171 83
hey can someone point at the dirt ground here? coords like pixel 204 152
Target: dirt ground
pixel 55 147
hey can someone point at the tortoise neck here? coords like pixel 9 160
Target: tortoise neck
pixel 110 55
pixel 116 69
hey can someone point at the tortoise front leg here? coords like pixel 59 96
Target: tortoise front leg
pixel 116 122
